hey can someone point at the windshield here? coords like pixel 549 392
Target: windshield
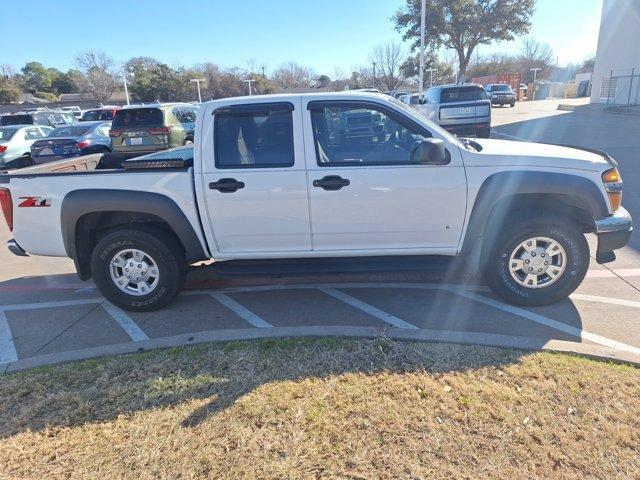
pixel 7 133
pixel 462 94
pixel 69 132
pixel 135 117
pixel 500 88
pixel 94 115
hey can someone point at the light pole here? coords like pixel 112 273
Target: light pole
pixel 423 14
pixel 126 89
pixel 535 75
pixel 197 82
pixel 248 82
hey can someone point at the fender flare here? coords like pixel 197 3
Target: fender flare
pixel 521 182
pixel 78 203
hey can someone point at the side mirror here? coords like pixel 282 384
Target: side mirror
pixel 430 151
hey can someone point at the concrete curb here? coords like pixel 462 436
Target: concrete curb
pixel 444 336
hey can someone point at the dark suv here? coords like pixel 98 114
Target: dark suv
pixel 48 119
pixel 501 94
pixel 141 129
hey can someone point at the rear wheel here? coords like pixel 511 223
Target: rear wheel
pixel 537 262
pixel 138 269
pixel 513 104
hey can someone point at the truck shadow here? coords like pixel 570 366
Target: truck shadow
pixel 202 381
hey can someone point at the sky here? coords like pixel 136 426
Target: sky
pixel 322 34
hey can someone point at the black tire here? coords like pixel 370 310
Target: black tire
pixel 513 104
pixel 160 246
pixel 496 268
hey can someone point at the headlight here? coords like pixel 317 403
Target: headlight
pixel 613 185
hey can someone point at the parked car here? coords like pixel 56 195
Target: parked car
pixel 47 118
pixel 81 138
pixel 74 110
pixel 15 144
pixel 524 89
pixel 141 129
pixel 271 180
pixel 501 94
pixel 462 109
pixel 104 114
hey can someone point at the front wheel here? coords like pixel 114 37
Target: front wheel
pixel 537 262
pixel 513 104
pixel 138 269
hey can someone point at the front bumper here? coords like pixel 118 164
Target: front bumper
pixel 16 249
pixel 613 233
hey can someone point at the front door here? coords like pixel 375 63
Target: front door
pixel 255 184
pixel 364 189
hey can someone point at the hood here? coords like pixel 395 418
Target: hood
pixel 509 153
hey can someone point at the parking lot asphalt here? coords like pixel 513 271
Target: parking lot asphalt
pixel 47 315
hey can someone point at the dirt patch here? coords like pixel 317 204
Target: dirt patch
pixel 300 408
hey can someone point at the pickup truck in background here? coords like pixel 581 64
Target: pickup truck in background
pixel 275 177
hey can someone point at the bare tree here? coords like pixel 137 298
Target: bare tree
pixel 534 54
pixel 387 58
pixel 99 74
pixel 7 71
pixel 292 75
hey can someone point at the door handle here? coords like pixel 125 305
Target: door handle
pixel 226 185
pixel 331 182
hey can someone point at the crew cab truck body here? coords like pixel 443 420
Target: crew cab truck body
pixel 275 177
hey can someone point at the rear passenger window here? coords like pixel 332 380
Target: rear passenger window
pixel 254 137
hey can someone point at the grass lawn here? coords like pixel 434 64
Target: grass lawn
pixel 329 408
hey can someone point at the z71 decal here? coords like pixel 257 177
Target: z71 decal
pixel 34 202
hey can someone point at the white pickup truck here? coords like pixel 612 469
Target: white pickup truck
pixel 324 175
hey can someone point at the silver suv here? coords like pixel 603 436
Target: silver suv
pixel 462 109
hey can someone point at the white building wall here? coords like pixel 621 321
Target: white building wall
pixel 618 50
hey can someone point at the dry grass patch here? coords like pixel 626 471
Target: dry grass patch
pixel 356 409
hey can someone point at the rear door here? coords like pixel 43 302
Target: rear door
pixel 367 194
pixel 253 180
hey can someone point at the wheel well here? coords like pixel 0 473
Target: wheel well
pixel 91 227
pixel 568 207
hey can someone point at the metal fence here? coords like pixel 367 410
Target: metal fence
pixel 619 89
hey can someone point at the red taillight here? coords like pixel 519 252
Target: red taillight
pixel 82 144
pixel 3 148
pixel 7 207
pixel 115 133
pixel 160 131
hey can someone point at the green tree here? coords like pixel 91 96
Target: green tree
pixel 36 77
pixel 151 80
pixel 462 25
pixel 443 74
pixel 62 82
pixel 9 92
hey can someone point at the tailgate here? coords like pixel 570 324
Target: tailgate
pixel 465 111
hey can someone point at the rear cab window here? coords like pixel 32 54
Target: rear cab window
pixel 254 136
pixel 462 94
pixel 95 115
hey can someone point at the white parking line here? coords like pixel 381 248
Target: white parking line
pixel 125 321
pixel 240 310
pixel 618 272
pixel 365 307
pixel 63 303
pixel 534 317
pixel 7 348
pixel 612 301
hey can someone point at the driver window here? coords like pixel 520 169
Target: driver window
pixel 361 135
